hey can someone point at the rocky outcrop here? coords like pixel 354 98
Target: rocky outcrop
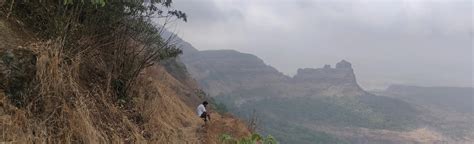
pixel 327 81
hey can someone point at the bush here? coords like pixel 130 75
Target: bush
pixel 253 139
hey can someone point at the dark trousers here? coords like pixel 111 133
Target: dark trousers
pixel 205 116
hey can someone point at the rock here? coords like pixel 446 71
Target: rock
pixel 343 65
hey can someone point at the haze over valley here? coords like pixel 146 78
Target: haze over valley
pixel 411 42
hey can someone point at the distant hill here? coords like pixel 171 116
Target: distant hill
pixel 448 109
pixel 448 98
pixel 225 71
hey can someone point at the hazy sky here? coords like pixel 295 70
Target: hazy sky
pixel 416 42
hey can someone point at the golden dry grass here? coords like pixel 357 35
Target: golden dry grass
pixel 63 108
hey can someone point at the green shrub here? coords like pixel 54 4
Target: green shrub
pixel 253 139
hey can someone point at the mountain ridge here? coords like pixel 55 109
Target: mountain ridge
pixel 251 72
pixel 316 105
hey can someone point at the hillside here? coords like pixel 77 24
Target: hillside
pixel 51 93
pixel 317 105
pixel 225 71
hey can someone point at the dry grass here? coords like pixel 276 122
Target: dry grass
pixel 64 107
pixel 226 124
pixel 60 110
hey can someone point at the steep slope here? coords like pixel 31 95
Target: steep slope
pixel 160 111
pixel 225 71
pixel 172 113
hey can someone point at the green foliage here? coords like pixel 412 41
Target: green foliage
pixel 253 139
pixel 227 139
pixel 97 2
pixel 71 20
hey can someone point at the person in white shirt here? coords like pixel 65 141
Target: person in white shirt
pixel 202 113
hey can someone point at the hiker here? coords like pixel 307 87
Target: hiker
pixel 202 113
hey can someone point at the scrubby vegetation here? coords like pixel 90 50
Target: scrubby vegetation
pixel 253 139
pixel 111 42
pixel 79 78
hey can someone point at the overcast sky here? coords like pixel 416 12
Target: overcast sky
pixel 415 42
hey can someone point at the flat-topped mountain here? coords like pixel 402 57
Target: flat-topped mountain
pixel 327 81
pixel 224 71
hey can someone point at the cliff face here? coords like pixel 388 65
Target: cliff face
pixel 327 81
